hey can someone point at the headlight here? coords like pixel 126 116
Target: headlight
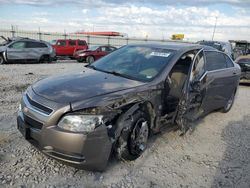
pixel 80 123
pixel 83 54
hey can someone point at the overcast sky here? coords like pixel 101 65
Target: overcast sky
pixel 137 18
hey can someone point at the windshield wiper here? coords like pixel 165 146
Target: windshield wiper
pixel 112 72
pixel 121 75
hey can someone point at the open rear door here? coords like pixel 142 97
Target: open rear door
pixel 190 106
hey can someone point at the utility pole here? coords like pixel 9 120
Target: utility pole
pixel 12 31
pixel 215 25
pixel 39 33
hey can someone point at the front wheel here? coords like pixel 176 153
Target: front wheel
pixel 137 139
pixel 2 61
pixel 229 104
pixel 90 59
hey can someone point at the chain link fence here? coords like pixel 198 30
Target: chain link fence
pixel 90 39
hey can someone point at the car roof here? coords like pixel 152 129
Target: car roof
pixel 177 46
pixel 27 39
pixel 70 39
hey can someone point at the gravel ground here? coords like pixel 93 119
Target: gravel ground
pixel 216 153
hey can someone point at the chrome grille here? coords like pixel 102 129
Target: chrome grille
pixel 39 107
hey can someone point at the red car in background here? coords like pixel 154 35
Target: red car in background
pixel 93 53
pixel 68 47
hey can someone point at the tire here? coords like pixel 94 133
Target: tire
pixel 229 104
pixel 90 59
pixel 2 61
pixel 45 59
pixel 136 138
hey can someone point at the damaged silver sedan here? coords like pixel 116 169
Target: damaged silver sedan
pixel 113 105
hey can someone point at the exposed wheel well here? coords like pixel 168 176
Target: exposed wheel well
pixel 127 114
pixel 126 124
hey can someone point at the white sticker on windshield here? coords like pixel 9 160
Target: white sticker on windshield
pixel 160 54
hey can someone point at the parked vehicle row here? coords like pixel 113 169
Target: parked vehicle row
pixel 113 105
pixel 30 50
pixel 25 50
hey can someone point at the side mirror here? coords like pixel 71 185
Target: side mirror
pixel 196 86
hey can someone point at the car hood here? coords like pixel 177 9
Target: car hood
pixel 68 88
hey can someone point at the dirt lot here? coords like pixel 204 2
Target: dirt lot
pixel 216 153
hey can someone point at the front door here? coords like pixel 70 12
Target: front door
pixel 61 48
pixel 100 52
pixel 190 105
pixel 17 51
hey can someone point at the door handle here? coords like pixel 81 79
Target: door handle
pixel 234 73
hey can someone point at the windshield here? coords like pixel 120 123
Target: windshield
pixel 53 42
pixel 135 62
pixel 93 48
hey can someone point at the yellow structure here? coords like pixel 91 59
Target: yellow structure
pixel 177 36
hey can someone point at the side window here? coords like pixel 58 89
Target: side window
pixel 36 45
pixel 72 42
pixel 228 61
pixel 41 45
pixel 61 43
pixel 103 49
pixel 199 67
pixel 31 45
pixel 17 45
pixel 215 61
pixel 82 43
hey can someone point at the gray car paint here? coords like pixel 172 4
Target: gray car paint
pixel 112 96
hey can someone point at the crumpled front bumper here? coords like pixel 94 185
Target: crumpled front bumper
pixel 89 151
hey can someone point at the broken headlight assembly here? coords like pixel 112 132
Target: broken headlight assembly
pixel 80 123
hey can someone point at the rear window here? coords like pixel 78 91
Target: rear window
pixel 215 61
pixel 72 42
pixel 82 43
